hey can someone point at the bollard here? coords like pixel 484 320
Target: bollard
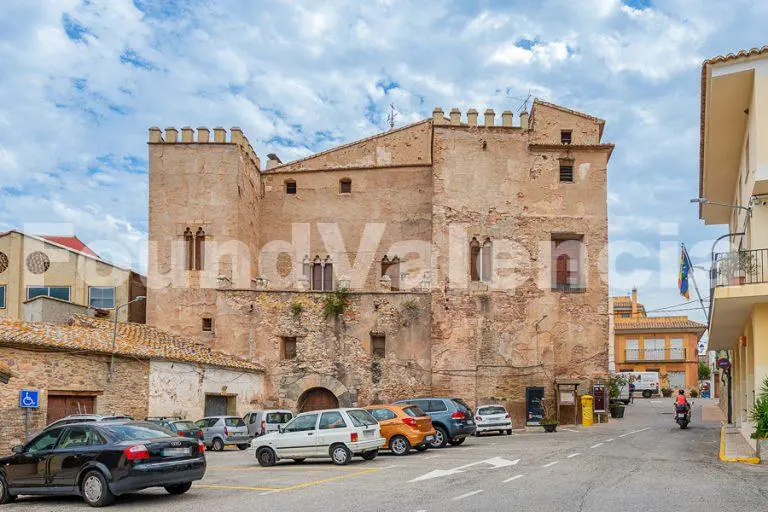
pixel 587 410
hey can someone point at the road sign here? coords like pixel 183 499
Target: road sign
pixel 29 399
pixel 724 363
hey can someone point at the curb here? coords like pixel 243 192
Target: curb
pixel 723 458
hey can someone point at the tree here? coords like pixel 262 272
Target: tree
pixel 704 371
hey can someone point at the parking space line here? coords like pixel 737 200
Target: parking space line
pixel 513 478
pixel 609 440
pixel 573 455
pixel 596 445
pixel 236 487
pixel 332 479
pixel 550 464
pixel 457 498
pixel 301 469
pixel 431 457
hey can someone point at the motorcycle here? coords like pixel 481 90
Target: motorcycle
pixel 683 415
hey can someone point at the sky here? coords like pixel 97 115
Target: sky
pixel 82 81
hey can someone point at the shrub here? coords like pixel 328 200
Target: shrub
pixel 336 302
pixel 759 413
pixel 296 308
pixel 411 306
pixel 615 383
pixel 705 372
pixel 666 392
pixel 694 393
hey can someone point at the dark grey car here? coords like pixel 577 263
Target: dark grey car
pixel 451 417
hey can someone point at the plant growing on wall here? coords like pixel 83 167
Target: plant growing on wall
pixel 759 413
pixel 411 306
pixel 296 308
pixel 336 302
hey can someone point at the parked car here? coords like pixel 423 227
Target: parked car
pixel 183 428
pixel 222 431
pixel 84 418
pixel 336 433
pixel 492 418
pixel 403 427
pixel 451 417
pixel 266 421
pixel 101 460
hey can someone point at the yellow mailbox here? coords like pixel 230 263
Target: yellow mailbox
pixel 587 410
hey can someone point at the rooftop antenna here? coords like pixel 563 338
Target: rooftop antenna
pixel 392 116
pixel 524 105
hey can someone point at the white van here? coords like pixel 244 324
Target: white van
pixel 265 421
pixel 646 383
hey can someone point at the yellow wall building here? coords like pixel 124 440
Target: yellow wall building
pixel 666 344
pixel 65 269
pixel 733 185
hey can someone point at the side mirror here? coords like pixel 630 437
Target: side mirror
pixel 282 430
pixel 18 449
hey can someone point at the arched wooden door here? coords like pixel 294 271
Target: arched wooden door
pixel 315 399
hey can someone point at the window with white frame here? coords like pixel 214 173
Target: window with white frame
pixel 677 349
pixel 102 297
pixel 55 292
pixel 632 350
pixel 653 349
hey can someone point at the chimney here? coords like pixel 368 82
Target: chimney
pixel 507 118
pixel 634 302
pixel 437 116
pixel 472 117
pixel 273 161
pixel 490 117
pixel 524 120
pixel 455 117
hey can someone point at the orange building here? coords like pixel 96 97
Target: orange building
pixel 664 344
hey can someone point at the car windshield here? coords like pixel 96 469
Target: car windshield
pixel 279 417
pixel 138 432
pixel 361 418
pixel 414 411
pixel 234 422
pixel 492 410
pixel 184 425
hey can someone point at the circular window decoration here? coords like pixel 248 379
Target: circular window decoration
pixel 3 262
pixel 38 262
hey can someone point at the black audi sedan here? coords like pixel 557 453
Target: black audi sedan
pixel 99 461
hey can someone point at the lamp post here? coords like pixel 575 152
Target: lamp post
pixel 703 200
pixel 114 334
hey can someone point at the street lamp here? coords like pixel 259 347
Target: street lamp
pixel 114 334
pixel 703 200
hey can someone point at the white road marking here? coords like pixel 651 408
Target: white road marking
pixel 571 430
pixel 265 493
pixel 457 498
pixel 609 440
pixel 596 445
pixel 573 455
pixel 513 478
pixel 496 462
pixel 551 464
pixel 635 432
pixel 465 449
pixel 431 457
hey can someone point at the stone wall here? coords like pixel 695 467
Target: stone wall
pixel 335 348
pixel 61 371
pixel 179 389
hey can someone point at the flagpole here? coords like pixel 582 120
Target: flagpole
pixel 692 274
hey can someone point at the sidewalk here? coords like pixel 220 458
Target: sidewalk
pixel 733 446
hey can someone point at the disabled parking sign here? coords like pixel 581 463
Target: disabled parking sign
pixel 29 399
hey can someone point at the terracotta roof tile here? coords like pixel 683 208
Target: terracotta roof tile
pixel 72 242
pixel 5 369
pixel 681 323
pixel 133 340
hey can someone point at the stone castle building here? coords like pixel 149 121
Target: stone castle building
pixel 449 256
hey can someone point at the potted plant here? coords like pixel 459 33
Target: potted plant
pixel 666 392
pixel 549 423
pixel 694 392
pixel 737 265
pixel 759 416
pixel 615 385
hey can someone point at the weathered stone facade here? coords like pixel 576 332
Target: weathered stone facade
pixel 425 194
pixel 68 373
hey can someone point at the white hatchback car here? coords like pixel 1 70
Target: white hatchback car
pixel 336 433
pixel 492 418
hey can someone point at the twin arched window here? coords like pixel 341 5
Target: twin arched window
pixel 480 258
pixel 320 273
pixel 194 249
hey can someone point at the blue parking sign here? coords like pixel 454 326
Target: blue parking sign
pixel 29 399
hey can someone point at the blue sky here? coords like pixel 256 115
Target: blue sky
pixel 83 80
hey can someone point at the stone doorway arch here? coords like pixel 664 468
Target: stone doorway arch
pixel 315 399
pixel 295 390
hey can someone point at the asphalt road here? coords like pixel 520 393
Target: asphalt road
pixel 641 463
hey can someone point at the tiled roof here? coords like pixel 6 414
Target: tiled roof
pixel 87 334
pixel 5 370
pixel 681 323
pixel 741 54
pixel 622 301
pixel 72 242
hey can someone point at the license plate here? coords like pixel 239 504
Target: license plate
pixel 175 452
pixel 470 422
pixel 368 433
pixel 429 439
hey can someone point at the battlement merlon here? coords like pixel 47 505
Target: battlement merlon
pixel 204 137
pixel 489 119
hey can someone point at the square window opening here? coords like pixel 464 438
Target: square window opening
pixel 565 136
pixel 288 347
pixel 207 324
pixel 566 172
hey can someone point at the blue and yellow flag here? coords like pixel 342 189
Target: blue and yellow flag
pixel 682 278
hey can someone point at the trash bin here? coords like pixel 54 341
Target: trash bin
pixel 587 410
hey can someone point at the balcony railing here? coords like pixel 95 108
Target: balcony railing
pixel 741 267
pixel 652 354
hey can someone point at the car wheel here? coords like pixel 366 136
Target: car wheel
pixel 422 447
pixel 440 438
pixel 647 393
pixel 370 455
pixel 266 457
pixel 509 432
pixel 399 445
pixel 217 445
pixel 5 494
pixel 242 447
pixel 95 490
pixel 456 441
pixel 340 455
pixel 178 488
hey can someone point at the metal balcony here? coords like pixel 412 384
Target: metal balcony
pixel 739 268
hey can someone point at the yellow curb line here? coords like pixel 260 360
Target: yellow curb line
pixel 745 460
pixel 290 487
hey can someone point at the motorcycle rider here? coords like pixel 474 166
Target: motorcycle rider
pixel 681 402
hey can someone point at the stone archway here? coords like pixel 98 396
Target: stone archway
pixel 293 392
pixel 315 399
